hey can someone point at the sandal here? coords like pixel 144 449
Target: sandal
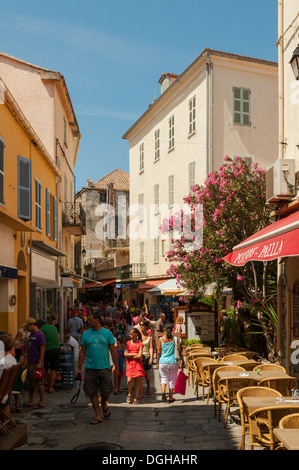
pixel 95 421
pixel 128 399
pixel 106 412
pixel 38 406
pixel 135 402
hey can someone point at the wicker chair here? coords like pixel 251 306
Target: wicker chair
pixel 262 422
pixel 208 371
pixel 284 385
pixel 249 365
pixel 199 378
pixel 215 380
pixel 234 357
pixel 190 358
pixel 254 391
pixel 289 422
pixel 228 389
pixel 270 367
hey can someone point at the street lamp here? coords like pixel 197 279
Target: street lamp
pixel 295 62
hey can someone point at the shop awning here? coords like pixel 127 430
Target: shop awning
pixel 8 272
pixel 278 240
pixel 150 284
pixel 94 285
pixel 168 287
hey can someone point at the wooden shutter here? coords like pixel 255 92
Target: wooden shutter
pixel 48 213
pixel 55 218
pixel 1 172
pixel 24 189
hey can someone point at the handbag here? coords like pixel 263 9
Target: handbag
pixel 145 363
pixel 180 385
pixel 38 374
pixel 176 349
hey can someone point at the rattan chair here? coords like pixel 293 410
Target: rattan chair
pixel 284 385
pixel 262 422
pixel 190 362
pixel 215 380
pixel 203 374
pixel 228 389
pixel 289 422
pixel 254 391
pixel 208 372
pixel 197 371
pixel 270 367
pixel 249 365
pixel 7 382
pixel 234 357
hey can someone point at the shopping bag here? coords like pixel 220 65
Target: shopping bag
pixel 180 385
pixel 38 374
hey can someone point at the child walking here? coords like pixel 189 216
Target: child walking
pixel 121 357
pixel 134 369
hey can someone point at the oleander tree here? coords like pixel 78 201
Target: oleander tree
pixel 229 207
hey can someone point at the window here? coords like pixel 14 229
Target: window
pixel 191 175
pixel 171 133
pixel 54 218
pixel 192 115
pixel 24 189
pixel 65 131
pixel 157 145
pixel 156 250
pixel 141 253
pixel 1 171
pixel 38 204
pixel 48 213
pixel 141 157
pixel 141 207
pixel 171 190
pixel 242 106
pixel 156 198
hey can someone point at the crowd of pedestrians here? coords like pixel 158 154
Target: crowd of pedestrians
pixel 110 343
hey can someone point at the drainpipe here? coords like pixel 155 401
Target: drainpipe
pixel 208 115
pixel 212 119
pixel 280 44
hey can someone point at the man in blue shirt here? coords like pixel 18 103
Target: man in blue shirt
pixel 96 343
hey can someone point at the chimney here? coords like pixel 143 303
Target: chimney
pixel 90 183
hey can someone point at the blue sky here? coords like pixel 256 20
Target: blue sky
pixel 112 55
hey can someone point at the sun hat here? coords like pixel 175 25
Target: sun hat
pixel 29 320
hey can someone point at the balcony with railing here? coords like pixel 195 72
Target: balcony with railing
pixel 74 218
pixel 134 271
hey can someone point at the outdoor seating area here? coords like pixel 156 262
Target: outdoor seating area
pixel 10 432
pixel 262 394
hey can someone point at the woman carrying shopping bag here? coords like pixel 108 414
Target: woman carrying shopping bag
pixel 167 362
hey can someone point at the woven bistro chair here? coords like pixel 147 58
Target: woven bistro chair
pixel 228 389
pixel 289 422
pixel 234 357
pixel 262 422
pixel 270 367
pixel 215 381
pixel 284 385
pixel 208 372
pixel 249 365
pixel 254 391
pixel 190 363
pixel 204 378
pixel 199 378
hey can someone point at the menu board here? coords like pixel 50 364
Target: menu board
pixel 65 375
pixel 201 325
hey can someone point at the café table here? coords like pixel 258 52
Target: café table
pixel 254 403
pixel 288 437
pixel 265 374
pixel 248 364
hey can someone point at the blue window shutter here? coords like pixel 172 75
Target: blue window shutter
pixel 54 218
pixel 1 171
pixel 24 189
pixel 48 211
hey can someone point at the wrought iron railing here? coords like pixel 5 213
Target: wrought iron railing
pixel 74 214
pixel 131 271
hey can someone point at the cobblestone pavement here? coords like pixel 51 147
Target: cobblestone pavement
pixel 187 424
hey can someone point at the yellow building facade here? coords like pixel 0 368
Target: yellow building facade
pixel 28 214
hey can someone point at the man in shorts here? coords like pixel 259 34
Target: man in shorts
pixel 96 343
pixel 35 349
pixel 52 352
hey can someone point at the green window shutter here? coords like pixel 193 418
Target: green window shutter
pixel 55 218
pixel 24 189
pixel 38 204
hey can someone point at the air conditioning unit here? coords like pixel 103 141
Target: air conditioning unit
pixel 280 181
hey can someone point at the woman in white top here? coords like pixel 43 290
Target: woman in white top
pixel 148 353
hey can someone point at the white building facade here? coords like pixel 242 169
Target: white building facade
pixel 222 104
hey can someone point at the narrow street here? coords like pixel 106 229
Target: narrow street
pixel 187 424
